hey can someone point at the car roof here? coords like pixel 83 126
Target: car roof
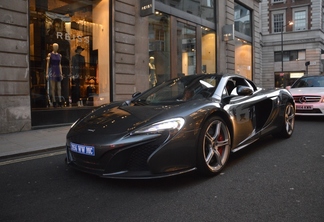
pixel 218 74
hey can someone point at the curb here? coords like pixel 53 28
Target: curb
pixel 31 153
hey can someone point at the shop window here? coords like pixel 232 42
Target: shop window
pixel 186 49
pixel 243 46
pixel 159 48
pixel 243 58
pixel 67 54
pixel 208 52
pixel 203 9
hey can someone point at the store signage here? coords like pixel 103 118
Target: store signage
pixel 228 32
pixel 147 7
pixel 68 37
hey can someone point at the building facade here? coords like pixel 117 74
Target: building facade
pixel 292 40
pixel 61 58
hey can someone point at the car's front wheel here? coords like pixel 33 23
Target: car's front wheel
pixel 214 146
pixel 288 125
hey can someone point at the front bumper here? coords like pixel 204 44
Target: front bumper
pixel 155 158
pixel 309 109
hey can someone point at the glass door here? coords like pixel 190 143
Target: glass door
pixel 186 49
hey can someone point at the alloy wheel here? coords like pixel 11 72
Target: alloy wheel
pixel 216 145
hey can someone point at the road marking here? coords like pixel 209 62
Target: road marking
pixel 23 159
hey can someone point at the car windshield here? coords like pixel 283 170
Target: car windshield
pixel 310 81
pixel 180 90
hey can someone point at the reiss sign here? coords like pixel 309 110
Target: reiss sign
pixel 147 7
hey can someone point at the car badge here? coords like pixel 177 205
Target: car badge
pixel 302 99
pixel 91 130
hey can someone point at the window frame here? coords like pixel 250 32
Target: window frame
pixel 300 9
pixel 277 1
pixel 273 14
pixel 246 28
pixel 288 54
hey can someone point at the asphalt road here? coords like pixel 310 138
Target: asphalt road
pixel 272 180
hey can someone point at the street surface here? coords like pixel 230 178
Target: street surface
pixel 272 180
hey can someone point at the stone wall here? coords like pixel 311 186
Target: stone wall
pixel 130 43
pixel 15 113
pixel 257 49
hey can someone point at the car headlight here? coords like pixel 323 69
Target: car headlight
pixel 173 125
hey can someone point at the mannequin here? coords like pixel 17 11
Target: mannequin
pixel 54 74
pixel 78 65
pixel 152 75
pixel 65 83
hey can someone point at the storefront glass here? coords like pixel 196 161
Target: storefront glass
pixel 208 50
pixel 203 9
pixel 243 42
pixel 186 49
pixel 183 42
pixel 189 50
pixel 68 54
pixel 159 48
pixel 68 32
pixel 243 58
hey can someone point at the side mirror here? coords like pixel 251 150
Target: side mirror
pixel 136 94
pixel 244 91
pixel 128 102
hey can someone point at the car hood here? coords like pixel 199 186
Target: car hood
pixel 307 91
pixel 117 120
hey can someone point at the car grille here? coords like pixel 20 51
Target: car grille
pixel 89 162
pixel 138 158
pixel 307 99
pixel 134 158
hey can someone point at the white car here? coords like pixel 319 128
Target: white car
pixel 308 93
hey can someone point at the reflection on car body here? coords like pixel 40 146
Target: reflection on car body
pixel 160 133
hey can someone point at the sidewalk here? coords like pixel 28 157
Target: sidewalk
pixel 32 140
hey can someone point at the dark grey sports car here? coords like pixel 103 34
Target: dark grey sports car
pixel 185 124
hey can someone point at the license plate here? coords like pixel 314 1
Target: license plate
pixel 304 107
pixel 82 149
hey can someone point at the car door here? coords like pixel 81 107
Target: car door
pixel 247 117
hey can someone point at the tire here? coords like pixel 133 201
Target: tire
pixel 214 146
pixel 288 125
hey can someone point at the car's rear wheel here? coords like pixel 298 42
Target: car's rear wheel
pixel 214 146
pixel 288 125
